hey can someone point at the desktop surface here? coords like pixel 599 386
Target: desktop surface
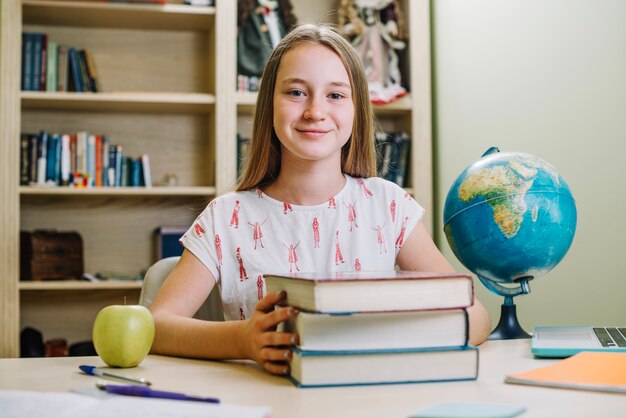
pixel 243 383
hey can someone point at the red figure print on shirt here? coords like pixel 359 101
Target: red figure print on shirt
pixel 197 228
pixel 351 214
pixel 380 237
pixel 400 239
pixel 242 270
pixel 367 193
pixel 316 233
pixel 357 265
pixel 338 255
pixel 293 257
pixel 332 204
pixel 242 316
pixel 257 235
pixel 234 219
pixel 259 286
pixel 287 208
pixel 218 250
pixel 392 209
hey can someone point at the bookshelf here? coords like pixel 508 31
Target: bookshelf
pixel 167 75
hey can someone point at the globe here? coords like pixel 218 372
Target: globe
pixel 509 218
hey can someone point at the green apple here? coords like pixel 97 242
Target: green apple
pixel 123 334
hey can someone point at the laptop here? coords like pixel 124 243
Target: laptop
pixel 564 341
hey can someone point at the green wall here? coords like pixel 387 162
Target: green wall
pixel 547 77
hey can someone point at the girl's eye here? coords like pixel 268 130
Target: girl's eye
pixel 295 93
pixel 335 96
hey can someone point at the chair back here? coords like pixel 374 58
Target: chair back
pixel 210 310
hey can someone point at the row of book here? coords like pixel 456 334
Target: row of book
pixel 49 66
pixel 363 328
pixel 79 160
pixel 392 156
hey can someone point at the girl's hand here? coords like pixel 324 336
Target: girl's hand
pixel 270 349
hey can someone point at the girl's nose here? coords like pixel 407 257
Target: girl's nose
pixel 314 110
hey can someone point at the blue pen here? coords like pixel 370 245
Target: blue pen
pixel 146 392
pixel 94 371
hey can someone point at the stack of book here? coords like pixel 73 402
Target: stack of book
pixel 374 328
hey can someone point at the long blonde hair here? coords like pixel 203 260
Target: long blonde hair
pixel 358 155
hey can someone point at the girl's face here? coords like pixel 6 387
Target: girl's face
pixel 313 108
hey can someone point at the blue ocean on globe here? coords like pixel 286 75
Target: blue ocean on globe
pixel 509 216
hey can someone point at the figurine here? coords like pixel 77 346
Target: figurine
pixel 376 29
pixel 261 25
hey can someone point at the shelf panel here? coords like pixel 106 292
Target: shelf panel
pixel 117 191
pixel 79 285
pixel 115 15
pixel 120 102
pixel 247 101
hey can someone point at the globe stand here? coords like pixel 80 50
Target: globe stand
pixel 508 327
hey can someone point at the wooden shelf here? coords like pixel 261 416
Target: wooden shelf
pixel 115 15
pixel 403 106
pixel 79 285
pixel 121 101
pixel 117 191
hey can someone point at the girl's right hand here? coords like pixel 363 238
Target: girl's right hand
pixel 270 349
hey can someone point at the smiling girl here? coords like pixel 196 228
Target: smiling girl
pixel 309 184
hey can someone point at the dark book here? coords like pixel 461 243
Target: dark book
pixel 370 367
pixel 44 62
pixel 242 152
pixel 119 159
pixel 384 149
pixel 85 80
pixel 403 159
pixel 74 67
pixel 62 61
pixel 135 175
pixel 380 330
pixel 24 159
pixel 53 158
pixel 350 292
pixel 111 165
pixel 36 69
pixel 32 160
pixel 27 60
pixel 166 241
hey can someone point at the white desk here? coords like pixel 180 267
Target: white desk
pixel 245 384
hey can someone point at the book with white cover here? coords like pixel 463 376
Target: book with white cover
pixel 369 367
pixel 349 292
pixel 378 331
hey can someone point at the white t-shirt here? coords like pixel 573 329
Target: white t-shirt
pixel 242 235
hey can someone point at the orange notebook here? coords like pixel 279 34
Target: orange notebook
pixel 605 372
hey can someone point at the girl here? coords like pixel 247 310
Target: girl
pixel 310 176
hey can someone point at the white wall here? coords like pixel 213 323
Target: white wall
pixel 546 77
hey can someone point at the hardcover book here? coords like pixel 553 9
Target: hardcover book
pixel 349 292
pixel 368 367
pixel 380 331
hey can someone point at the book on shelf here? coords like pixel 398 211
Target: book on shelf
pixel 366 367
pixel 604 372
pixel 349 292
pixel 380 331
pixel 242 150
pixel 51 66
pixel 393 151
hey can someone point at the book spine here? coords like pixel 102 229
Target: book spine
pixel 52 160
pixel 146 174
pixel 42 150
pixel 111 165
pixel 91 159
pixel 32 149
pixel 74 69
pixel 51 67
pixel 91 71
pixel 98 172
pixel 24 159
pixel 62 68
pixel 105 160
pixel 119 156
pixel 36 71
pixel 73 154
pixel 27 61
pixel 84 76
pixel 135 172
pixel 65 159
pixel 403 159
pixel 44 62
pixel 81 153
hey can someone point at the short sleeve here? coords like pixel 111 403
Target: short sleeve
pixel 201 241
pixel 408 214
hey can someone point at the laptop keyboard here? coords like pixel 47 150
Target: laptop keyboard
pixel 611 337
